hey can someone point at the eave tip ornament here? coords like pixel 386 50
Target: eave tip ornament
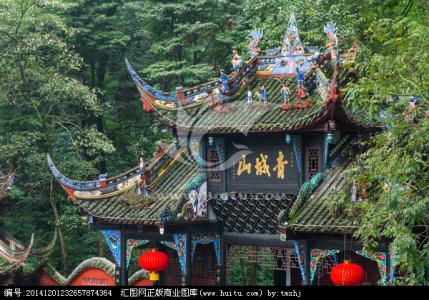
pixel 254 39
pixel 331 31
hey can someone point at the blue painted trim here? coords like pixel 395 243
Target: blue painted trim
pixel 297 153
pixel 327 141
pixel 301 265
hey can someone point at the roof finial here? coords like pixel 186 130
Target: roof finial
pixel 291 40
pixel 254 38
pixel 331 31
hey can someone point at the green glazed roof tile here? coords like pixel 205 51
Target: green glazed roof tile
pixel 316 215
pixel 167 191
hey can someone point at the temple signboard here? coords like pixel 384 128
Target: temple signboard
pixel 261 166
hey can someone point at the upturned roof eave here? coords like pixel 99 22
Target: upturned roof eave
pixel 333 112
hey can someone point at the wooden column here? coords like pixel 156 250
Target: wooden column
pixel 124 271
pixel 188 258
pixel 223 258
pixel 307 252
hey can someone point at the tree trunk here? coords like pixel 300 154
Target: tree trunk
pixel 59 231
pixel 99 120
pixel 251 269
pixel 101 245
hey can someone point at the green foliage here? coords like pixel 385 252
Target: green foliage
pixel 186 42
pixel 43 109
pixel 30 265
pixel 242 272
pixel 394 170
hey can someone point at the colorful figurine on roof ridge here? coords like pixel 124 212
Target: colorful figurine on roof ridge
pixel 224 80
pixel 249 99
pixel 236 61
pixel 300 77
pixel 254 39
pixel 291 40
pixel 263 96
pixel 331 29
pixel 285 93
pixel 301 97
pixel 286 98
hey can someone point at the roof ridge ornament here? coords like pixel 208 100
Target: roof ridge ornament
pixel 254 37
pixel 291 41
pixel 331 31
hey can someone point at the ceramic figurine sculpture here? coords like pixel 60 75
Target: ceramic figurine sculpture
pixel 291 40
pixel 236 61
pixel 254 39
pixel 300 93
pixel 264 97
pixel 249 98
pixel 330 29
pixel 300 77
pixel 224 80
pixel 285 93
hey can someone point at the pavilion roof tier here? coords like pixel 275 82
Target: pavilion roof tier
pixel 110 187
pixel 237 116
pixel 165 190
pixel 14 254
pixel 320 213
pixel 289 88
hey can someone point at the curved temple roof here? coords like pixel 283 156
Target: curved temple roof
pixel 167 182
pixel 14 254
pixel 317 213
pixel 93 262
pixel 221 106
pixel 105 188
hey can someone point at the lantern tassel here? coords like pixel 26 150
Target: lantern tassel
pixel 154 276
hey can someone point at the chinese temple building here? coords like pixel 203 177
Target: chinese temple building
pixel 252 189
pixel 17 261
pixel 20 263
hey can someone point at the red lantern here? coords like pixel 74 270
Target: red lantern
pixel 347 273
pixel 154 261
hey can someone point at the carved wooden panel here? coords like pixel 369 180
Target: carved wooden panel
pixel 204 265
pixel 173 275
pixel 214 174
pixel 312 162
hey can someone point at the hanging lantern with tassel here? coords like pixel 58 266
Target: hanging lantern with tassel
pixel 347 273
pixel 154 261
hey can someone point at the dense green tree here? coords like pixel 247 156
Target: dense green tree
pixel 43 108
pixel 186 42
pixel 392 67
